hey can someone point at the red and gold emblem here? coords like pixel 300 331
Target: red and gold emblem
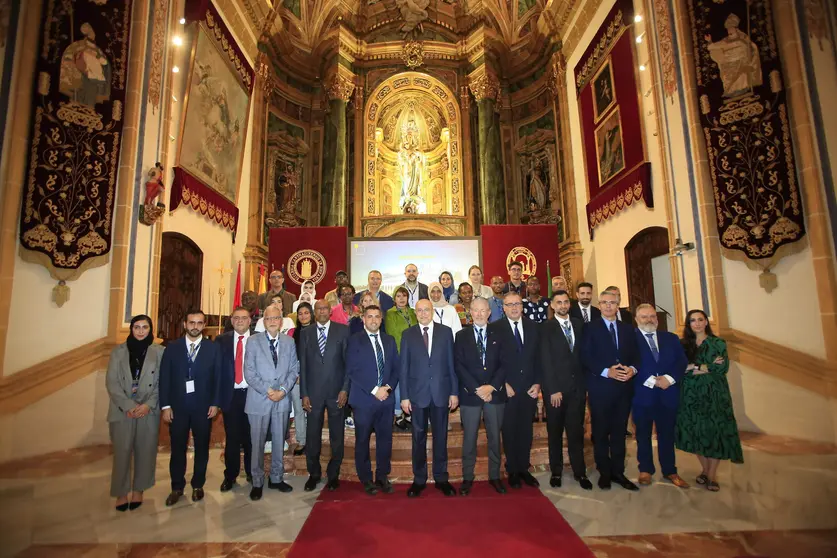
pixel 305 265
pixel 525 257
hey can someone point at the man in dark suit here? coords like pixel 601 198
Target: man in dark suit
pixel 519 358
pixel 480 395
pixel 372 367
pixel 323 384
pixel 233 346
pixel 624 314
pixel 384 301
pixel 564 390
pixel 610 355
pixel 583 308
pixel 657 395
pixel 429 390
pixel 415 291
pixel 190 394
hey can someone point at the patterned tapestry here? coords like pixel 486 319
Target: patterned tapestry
pixel 68 197
pixel 746 125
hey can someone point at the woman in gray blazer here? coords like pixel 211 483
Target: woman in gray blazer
pixel 133 413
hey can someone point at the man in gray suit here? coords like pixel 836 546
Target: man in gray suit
pixel 323 384
pixel 271 369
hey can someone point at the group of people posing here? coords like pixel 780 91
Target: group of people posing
pixel 407 361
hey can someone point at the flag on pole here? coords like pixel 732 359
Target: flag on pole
pixel 548 281
pixel 262 280
pixel 236 301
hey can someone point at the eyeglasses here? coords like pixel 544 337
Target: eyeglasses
pixel 272 318
pixel 608 302
pixel 512 304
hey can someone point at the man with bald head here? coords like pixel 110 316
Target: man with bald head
pixel 429 391
pixel 416 291
pixel 323 384
pixel 482 394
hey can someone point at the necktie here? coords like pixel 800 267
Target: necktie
pixel 481 345
pixel 379 356
pixel 568 333
pixel 273 351
pixel 517 337
pixel 586 314
pixel 239 360
pixel 426 339
pixel 322 340
pixel 653 346
pixel 193 348
pixel 613 335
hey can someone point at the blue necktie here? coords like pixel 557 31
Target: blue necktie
pixel 517 337
pixel 273 351
pixel 568 333
pixel 322 340
pixel 653 346
pixel 481 345
pixel 379 355
pixel 613 334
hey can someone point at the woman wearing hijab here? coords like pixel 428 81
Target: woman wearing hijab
pixel 443 313
pixel 304 318
pixel 448 287
pixel 133 413
pixel 308 294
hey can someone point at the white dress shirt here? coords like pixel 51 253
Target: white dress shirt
pixel 236 336
pixel 372 340
pixel 519 327
pixel 429 336
pixel 447 315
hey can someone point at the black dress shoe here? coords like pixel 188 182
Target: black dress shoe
pixel 415 490
pixel 402 424
pixel 250 479
pixel 124 507
pixel 384 486
pixel 197 494
pixel 280 486
pixel 529 479
pixel 514 481
pixel 300 450
pixel 498 485
pixel 465 488
pixel 555 482
pixel 333 484
pixel 134 505
pixel 623 481
pixel 174 496
pixel 584 482
pixel 311 483
pixel 604 482
pixel 227 485
pixel 446 488
pixel 256 493
pixel 369 488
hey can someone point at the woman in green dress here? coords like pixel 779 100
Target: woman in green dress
pixel 705 422
pixel 396 321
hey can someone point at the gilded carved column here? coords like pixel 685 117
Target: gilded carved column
pixel 333 210
pixel 486 88
pixel 357 101
pixel 467 164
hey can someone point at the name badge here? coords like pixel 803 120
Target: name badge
pixel 190 386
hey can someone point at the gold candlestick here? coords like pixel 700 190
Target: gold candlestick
pixel 221 291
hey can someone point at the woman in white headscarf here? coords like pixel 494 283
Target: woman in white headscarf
pixel 308 294
pixel 443 312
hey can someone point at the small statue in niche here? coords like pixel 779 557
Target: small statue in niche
pixel 537 187
pixel 150 212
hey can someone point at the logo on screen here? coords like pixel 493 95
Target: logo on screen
pixel 306 265
pixel 525 257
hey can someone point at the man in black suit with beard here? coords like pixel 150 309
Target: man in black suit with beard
pixel 583 308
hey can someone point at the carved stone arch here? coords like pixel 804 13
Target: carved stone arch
pixel 418 227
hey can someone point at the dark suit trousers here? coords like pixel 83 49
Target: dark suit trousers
pixel 609 417
pixel 493 416
pixel 438 417
pixel 569 416
pixel 664 418
pixel 184 421
pixel 237 430
pixel 314 437
pixel 517 431
pixel 377 418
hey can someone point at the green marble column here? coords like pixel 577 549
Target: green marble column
pixel 492 191
pixel 333 196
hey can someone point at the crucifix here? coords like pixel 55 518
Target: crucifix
pixel 221 291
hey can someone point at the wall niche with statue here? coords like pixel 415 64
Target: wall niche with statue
pixel 284 175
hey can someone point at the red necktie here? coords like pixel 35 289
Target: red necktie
pixel 239 360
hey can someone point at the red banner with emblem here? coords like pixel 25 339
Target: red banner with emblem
pixel 532 245
pixel 315 253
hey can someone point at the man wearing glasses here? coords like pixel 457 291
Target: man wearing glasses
pixel 277 288
pixel 518 340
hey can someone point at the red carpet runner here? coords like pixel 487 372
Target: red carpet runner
pixel 520 524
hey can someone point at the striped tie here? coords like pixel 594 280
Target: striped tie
pixel 568 333
pixel 379 355
pixel 322 340
pixel 273 351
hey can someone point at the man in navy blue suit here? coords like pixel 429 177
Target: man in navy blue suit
pixel 429 390
pixel 190 386
pixel 657 395
pixel 610 355
pixel 372 367
pixel 384 301
pixel 233 345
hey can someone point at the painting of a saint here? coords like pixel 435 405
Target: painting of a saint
pixel 604 94
pixel 609 149
pixel 215 124
pixel 737 58
pixel 85 72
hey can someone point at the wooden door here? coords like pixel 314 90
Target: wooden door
pixel 181 271
pixel 639 251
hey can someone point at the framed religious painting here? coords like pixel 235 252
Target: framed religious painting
pixel 604 94
pixel 610 152
pixel 214 127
